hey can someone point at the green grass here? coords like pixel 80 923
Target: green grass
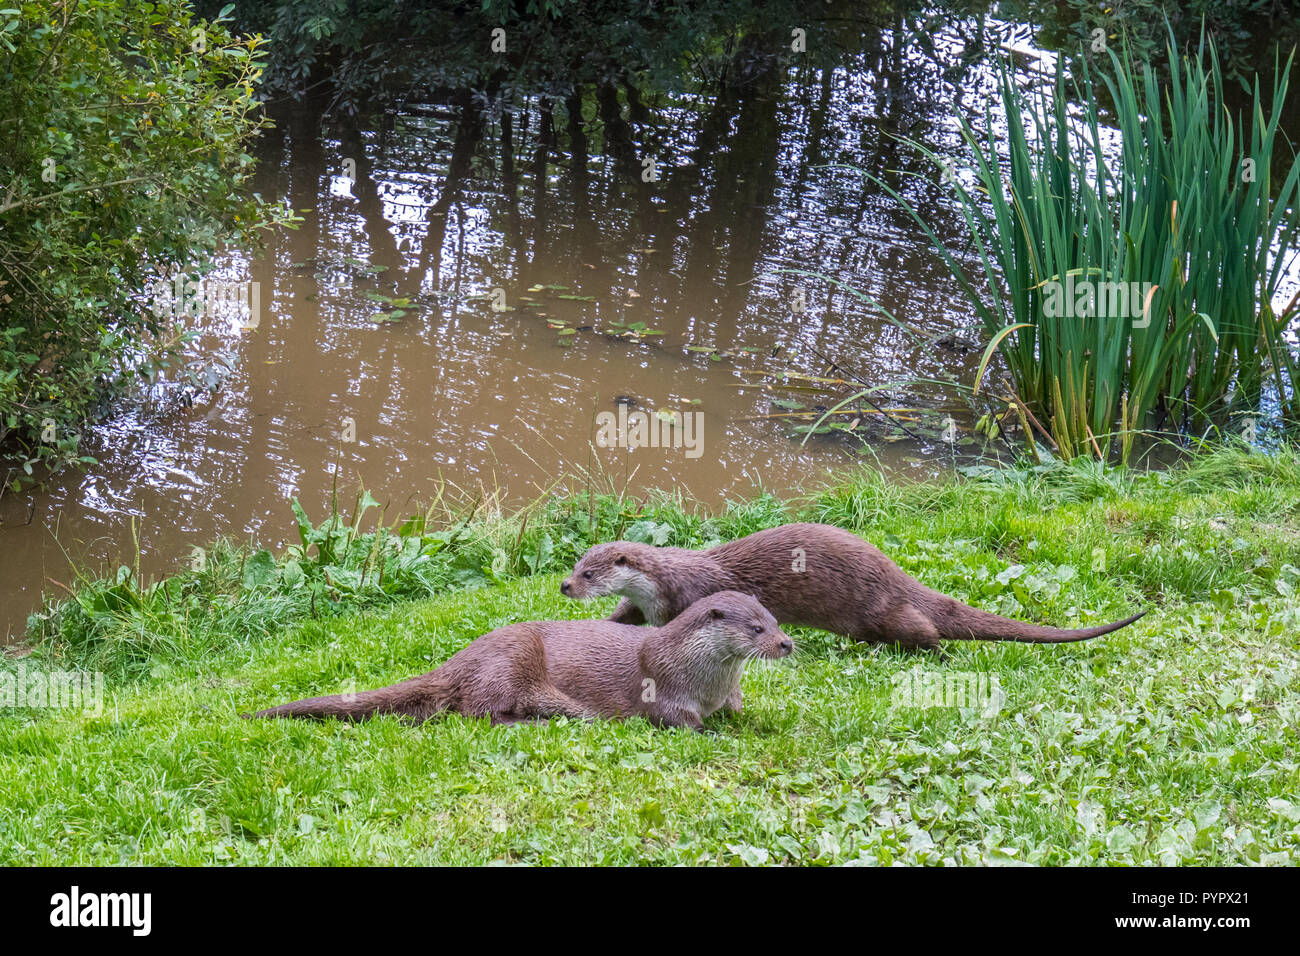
pixel 1173 741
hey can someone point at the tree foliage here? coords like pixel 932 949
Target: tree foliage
pixel 123 145
pixel 357 50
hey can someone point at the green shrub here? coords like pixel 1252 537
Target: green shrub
pixel 122 155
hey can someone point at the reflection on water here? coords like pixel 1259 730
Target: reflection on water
pixel 379 357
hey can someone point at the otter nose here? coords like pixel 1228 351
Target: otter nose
pixel 786 646
pixel 565 586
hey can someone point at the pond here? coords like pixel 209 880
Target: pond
pixel 475 292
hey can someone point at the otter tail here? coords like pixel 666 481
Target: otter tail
pixel 419 698
pixel 960 622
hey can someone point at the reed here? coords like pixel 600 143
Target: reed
pixel 1128 280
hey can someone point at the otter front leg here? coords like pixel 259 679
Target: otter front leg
pixel 673 715
pixel 627 613
pixel 735 701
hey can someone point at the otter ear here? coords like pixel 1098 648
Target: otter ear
pixel 716 613
pixel 621 559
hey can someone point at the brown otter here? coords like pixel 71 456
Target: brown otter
pixel 811 574
pixel 675 675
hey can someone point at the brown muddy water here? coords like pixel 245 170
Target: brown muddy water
pixel 650 296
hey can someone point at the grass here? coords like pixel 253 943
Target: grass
pixel 1173 741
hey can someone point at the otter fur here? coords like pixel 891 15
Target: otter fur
pixel 675 675
pixel 810 574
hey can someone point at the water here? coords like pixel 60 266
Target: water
pixel 456 398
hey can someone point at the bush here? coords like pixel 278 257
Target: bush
pixel 122 155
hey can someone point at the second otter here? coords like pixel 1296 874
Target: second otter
pixel 675 675
pixel 812 574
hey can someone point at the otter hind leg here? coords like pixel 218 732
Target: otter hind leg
pixel 911 630
pixel 546 701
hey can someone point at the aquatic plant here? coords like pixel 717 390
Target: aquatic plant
pixel 1133 286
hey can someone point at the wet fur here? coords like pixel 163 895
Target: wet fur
pixel 847 586
pixel 582 669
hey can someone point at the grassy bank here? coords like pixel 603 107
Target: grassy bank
pixel 1170 741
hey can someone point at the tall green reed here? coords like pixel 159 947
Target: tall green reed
pixel 1129 283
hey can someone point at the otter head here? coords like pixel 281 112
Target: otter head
pixel 737 625
pixel 620 567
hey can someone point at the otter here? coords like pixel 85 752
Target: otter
pixel 674 676
pixel 811 574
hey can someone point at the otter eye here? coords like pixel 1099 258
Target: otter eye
pixel 717 614
pixel 621 561
pixel 758 628
pixel 587 575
